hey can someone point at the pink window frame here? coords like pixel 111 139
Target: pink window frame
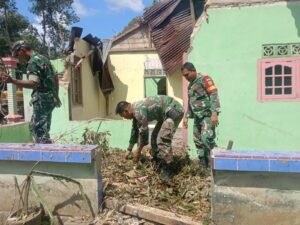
pixel 295 63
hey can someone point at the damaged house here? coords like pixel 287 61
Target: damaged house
pixel 142 61
pixel 253 56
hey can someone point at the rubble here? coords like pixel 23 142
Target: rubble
pixel 187 193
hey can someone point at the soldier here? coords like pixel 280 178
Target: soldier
pixel 167 112
pixel 42 80
pixel 204 107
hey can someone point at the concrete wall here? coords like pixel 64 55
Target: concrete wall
pixel 93 99
pixel 61 199
pixel 127 71
pixel 227 47
pixel 174 86
pixel 256 198
pixel 71 131
pixel 15 133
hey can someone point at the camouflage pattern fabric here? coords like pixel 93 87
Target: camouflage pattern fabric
pixel 203 97
pixel 203 100
pixel 168 114
pixel 40 70
pixel 43 105
pixel 204 135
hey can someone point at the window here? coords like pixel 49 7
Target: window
pixel 155 86
pixel 155 78
pixel 76 86
pixel 278 79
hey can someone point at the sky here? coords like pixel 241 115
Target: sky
pixel 101 18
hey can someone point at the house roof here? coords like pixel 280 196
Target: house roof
pixel 171 25
pixel 123 34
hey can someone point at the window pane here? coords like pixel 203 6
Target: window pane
pixel 269 71
pixel 269 91
pixel 278 81
pixel 287 70
pixel 269 81
pixel 278 69
pixel 288 91
pixel 287 81
pixel 278 91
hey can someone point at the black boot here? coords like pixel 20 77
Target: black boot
pixel 165 171
pixel 203 162
pixel 166 174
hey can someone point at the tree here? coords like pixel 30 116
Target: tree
pixel 56 16
pixel 138 18
pixel 131 23
pixel 13 26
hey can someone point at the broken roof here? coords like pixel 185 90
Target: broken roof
pixel 171 23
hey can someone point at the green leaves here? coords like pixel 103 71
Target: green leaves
pixel 56 16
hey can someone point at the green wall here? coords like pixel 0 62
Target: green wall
pixel 16 133
pixel 71 131
pixel 227 48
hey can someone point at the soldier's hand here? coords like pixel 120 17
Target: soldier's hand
pixel 6 78
pixel 137 155
pixel 214 119
pixel 185 123
pixel 128 155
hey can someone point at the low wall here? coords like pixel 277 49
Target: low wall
pixel 63 198
pixel 15 133
pixel 256 188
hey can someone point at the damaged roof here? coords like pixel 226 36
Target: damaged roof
pixel 171 23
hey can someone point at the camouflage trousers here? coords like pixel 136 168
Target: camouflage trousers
pixel 162 135
pixel 43 105
pixel 204 136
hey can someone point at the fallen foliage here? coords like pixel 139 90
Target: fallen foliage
pixel 187 193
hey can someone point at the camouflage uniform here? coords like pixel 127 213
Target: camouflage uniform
pixel 39 70
pixel 168 114
pixel 203 100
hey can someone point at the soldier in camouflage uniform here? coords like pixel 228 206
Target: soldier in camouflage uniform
pixel 204 107
pixel 42 80
pixel 166 111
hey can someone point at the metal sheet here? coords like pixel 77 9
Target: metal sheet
pixel 171 27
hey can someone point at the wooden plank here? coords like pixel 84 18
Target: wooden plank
pixel 151 214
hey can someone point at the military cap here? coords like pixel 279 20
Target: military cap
pixel 17 46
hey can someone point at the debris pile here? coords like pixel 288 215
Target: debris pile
pixel 187 193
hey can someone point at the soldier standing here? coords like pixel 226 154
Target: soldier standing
pixel 167 112
pixel 42 80
pixel 204 107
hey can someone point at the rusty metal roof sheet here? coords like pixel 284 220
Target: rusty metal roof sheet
pixel 171 26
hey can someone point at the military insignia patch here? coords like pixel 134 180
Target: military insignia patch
pixel 209 85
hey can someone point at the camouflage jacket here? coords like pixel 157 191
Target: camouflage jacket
pixel 149 109
pixel 203 97
pixel 39 69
